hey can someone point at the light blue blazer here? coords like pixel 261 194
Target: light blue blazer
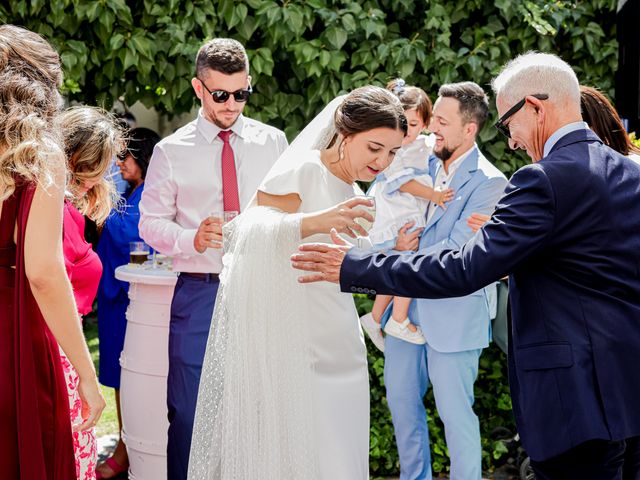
pixel 477 186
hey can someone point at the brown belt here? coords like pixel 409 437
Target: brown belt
pixel 207 277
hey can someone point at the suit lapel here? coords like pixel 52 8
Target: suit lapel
pixel 460 178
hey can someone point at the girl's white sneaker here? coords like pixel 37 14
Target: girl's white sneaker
pixel 373 330
pixel 400 330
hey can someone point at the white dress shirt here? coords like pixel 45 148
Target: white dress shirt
pixel 443 178
pixel 184 185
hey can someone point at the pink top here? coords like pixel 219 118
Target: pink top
pixel 83 265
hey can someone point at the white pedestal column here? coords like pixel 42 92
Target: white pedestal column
pixel 145 364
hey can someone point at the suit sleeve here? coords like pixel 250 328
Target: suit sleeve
pixel 482 200
pixel 521 225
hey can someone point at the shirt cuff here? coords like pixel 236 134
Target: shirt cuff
pixel 185 242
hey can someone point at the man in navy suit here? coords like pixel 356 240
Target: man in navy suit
pixel 567 231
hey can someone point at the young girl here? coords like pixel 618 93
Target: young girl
pixel 395 207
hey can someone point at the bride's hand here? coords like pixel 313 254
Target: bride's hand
pixel 340 217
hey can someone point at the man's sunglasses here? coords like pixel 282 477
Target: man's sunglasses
pixel 221 96
pixel 500 124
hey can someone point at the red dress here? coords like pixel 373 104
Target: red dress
pixel 35 432
pixel 84 269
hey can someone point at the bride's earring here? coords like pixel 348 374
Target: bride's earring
pixel 341 151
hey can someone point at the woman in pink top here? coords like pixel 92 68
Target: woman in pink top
pixel 91 139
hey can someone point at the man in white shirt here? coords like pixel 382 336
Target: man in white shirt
pixel 449 360
pixel 209 168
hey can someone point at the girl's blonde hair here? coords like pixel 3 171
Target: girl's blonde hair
pixel 92 138
pixel 30 76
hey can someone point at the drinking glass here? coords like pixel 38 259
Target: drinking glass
pixel 138 253
pixel 371 210
pixel 161 261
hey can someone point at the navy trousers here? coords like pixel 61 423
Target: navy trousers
pixel 592 460
pixel 191 311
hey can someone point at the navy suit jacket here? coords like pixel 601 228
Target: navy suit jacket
pixel 567 230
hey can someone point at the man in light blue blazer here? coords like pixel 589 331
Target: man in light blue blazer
pixel 449 360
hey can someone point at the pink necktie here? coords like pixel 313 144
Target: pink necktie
pixel 230 198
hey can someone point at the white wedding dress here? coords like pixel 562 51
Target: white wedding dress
pixel 284 392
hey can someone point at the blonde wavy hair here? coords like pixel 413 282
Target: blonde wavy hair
pixel 92 138
pixel 30 76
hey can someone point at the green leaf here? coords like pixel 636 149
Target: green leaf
pixel 130 59
pixel 294 17
pixel 69 60
pixel 158 10
pixel 227 11
pixel 246 28
pixel 93 9
pixel 336 37
pixel 238 16
pixel 267 61
pixel 349 23
pixel 406 68
pixel 325 58
pixel 116 41
pixel 336 61
pixel 142 45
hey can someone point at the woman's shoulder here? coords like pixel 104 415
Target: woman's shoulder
pixel 307 165
pixel 308 161
pixel 300 174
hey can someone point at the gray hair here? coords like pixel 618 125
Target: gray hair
pixel 535 72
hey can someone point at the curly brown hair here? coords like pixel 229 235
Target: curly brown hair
pixel 30 76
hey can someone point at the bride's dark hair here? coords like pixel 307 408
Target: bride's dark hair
pixel 369 107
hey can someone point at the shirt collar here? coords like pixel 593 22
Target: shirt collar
pixel 210 130
pixel 561 132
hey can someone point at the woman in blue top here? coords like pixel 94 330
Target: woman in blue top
pixel 113 249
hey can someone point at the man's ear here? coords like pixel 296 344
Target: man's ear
pixel 197 87
pixel 471 129
pixel 538 106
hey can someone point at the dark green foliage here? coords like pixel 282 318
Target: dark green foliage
pixel 303 53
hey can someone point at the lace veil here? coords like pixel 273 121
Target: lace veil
pixel 254 417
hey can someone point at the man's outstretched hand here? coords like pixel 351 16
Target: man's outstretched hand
pixel 323 259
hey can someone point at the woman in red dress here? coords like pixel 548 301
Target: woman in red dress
pixel 91 141
pixel 38 309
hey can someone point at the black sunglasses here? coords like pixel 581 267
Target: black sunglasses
pixel 221 96
pixel 500 125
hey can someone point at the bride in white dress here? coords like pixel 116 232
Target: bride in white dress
pixel 284 392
